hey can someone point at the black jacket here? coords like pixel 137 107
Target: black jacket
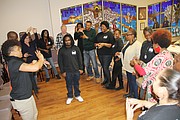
pixel 69 59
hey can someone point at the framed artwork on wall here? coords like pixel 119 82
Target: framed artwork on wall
pixel 71 15
pixel 142 25
pixel 142 13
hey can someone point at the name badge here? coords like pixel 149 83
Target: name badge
pixel 73 52
pixel 150 49
pixel 105 37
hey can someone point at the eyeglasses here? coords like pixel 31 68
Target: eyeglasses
pixel 128 34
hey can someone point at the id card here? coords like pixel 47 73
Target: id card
pixel 73 52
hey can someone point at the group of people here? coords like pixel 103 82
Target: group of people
pixel 151 59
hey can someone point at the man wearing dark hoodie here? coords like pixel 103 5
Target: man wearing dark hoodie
pixel 70 64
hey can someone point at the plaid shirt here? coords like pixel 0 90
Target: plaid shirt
pixel 59 41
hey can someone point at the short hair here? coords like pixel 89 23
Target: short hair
pixel 133 32
pixel 7 47
pixel 12 35
pixel 148 29
pixel 80 24
pixel 171 80
pixel 63 25
pixel 162 37
pixel 105 23
pixel 89 22
pixel 118 30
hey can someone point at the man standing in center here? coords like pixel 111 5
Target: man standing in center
pixel 89 35
pixel 70 64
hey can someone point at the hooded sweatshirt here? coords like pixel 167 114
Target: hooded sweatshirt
pixel 69 59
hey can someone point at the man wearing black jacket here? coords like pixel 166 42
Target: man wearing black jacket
pixel 70 64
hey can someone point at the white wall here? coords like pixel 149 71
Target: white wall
pixel 18 15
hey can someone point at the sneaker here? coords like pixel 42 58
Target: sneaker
pixel 89 78
pixel 80 99
pixel 69 100
pixel 98 80
pixel 58 77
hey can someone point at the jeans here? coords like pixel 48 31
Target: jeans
pixel 91 56
pixel 105 61
pixel 72 80
pixel 33 76
pixel 133 88
pixel 50 60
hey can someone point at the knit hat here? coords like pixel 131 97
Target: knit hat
pixel 105 23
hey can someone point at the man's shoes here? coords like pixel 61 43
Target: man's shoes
pixel 119 88
pixel 90 78
pixel 110 87
pixel 104 82
pixel 69 100
pixel 58 77
pixel 79 98
pixel 98 80
pixel 47 80
pixel 127 95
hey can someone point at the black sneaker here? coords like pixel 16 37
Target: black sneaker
pixel 119 88
pixel 47 80
pixel 110 87
pixel 58 77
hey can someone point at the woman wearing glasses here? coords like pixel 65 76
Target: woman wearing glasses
pixel 130 50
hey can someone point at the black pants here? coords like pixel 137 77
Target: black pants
pixel 117 73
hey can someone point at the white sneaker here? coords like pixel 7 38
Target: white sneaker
pixel 80 99
pixel 69 100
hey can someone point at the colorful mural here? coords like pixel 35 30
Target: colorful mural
pixel 71 15
pixel 112 14
pixel 129 19
pixel 93 13
pixel 154 16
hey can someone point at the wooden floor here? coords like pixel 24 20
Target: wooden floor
pixel 99 103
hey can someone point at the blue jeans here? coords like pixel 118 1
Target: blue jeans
pixel 50 60
pixel 133 88
pixel 105 61
pixel 91 56
pixel 72 80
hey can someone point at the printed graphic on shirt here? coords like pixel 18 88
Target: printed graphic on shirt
pixel 105 37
